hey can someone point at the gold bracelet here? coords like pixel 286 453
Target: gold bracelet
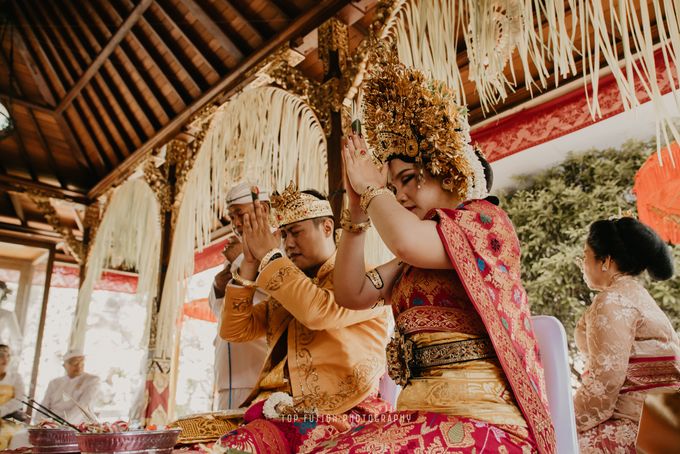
pixel 371 193
pixel 268 258
pixel 375 278
pixel 243 282
pixel 347 224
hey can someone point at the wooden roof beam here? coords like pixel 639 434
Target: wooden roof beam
pixel 11 183
pixel 229 84
pixel 27 104
pixel 178 22
pixel 18 209
pixel 213 28
pixel 40 60
pixel 117 37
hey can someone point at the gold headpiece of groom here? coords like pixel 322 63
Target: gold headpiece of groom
pixel 295 206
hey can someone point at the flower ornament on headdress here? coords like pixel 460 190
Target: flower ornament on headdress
pixel 410 115
pixel 295 206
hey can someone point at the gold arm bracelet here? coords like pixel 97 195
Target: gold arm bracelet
pixel 375 278
pixel 371 193
pixel 242 281
pixel 347 224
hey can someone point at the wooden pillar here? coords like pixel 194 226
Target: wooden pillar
pixel 157 386
pixel 333 50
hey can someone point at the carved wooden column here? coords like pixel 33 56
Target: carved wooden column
pixel 167 181
pixel 333 51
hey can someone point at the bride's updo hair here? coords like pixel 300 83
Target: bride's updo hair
pixel 633 246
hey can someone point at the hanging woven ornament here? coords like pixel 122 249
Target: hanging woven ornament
pixel 493 29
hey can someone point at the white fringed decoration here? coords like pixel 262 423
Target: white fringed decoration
pixel 428 32
pixel 129 234
pixel 266 135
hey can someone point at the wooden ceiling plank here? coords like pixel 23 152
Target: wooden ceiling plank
pixel 11 183
pixel 178 54
pixel 214 29
pixel 18 209
pixel 189 34
pixel 62 73
pixel 93 137
pixel 74 40
pixel 73 16
pixel 316 15
pixel 162 65
pixel 98 116
pixel 25 157
pixel 46 91
pixel 254 22
pixel 28 104
pixel 137 33
pixel 67 128
pixel 39 60
pixel 152 84
pixel 117 37
pixel 129 116
pixel 287 7
pixel 48 152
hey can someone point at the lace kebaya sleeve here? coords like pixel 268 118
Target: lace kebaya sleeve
pixel 610 333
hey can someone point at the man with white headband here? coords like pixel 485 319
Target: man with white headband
pixel 237 366
pixel 76 386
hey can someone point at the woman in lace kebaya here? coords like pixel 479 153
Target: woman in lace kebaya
pixel 629 344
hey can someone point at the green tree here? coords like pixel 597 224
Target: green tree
pixel 552 211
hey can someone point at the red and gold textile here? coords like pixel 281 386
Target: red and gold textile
pixel 484 250
pixel 297 434
pixel 427 432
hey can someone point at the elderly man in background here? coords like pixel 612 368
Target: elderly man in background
pixel 76 386
pixel 237 365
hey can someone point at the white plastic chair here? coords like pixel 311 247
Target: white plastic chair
pixel 389 390
pixel 552 343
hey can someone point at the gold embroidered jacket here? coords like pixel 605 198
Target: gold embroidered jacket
pixel 335 356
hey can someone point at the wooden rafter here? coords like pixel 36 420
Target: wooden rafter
pixel 117 37
pixel 39 57
pixel 28 104
pixel 178 22
pixel 46 44
pixel 226 86
pixel 50 156
pixel 287 7
pixel 11 183
pixel 130 57
pixel 253 21
pixel 18 209
pixel 214 29
pixel 67 129
pixel 177 53
pixel 38 77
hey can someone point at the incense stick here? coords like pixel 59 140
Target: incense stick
pixel 47 412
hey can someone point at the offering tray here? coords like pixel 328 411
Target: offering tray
pixel 131 442
pixel 53 440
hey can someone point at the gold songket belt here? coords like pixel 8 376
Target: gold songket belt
pixel 404 358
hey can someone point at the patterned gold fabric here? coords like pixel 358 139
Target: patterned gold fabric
pixel 335 356
pixel 432 306
pixel 207 427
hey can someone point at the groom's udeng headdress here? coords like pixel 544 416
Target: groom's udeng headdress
pixel 295 206
pixel 407 114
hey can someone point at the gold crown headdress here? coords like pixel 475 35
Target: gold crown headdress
pixel 295 206
pixel 407 114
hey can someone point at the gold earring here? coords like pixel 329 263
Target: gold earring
pixel 604 267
